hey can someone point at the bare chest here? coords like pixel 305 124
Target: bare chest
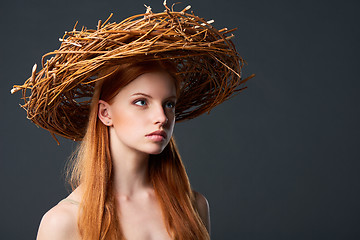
pixel 142 220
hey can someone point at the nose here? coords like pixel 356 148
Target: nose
pixel 160 116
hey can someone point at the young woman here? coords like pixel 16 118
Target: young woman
pixel 128 171
pixel 142 75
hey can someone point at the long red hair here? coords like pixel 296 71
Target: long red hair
pixel 92 168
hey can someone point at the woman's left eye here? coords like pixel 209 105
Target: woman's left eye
pixel 170 104
pixel 140 102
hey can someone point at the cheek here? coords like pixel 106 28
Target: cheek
pixel 127 121
pixel 171 117
pixel 122 119
pixel 171 123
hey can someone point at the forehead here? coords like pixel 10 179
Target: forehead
pixel 154 83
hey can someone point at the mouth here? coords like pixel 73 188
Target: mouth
pixel 156 138
pixel 157 135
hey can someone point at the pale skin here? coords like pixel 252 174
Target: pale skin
pixel 140 108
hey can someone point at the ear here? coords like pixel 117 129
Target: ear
pixel 104 113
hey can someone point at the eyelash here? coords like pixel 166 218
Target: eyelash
pixel 144 100
pixel 139 101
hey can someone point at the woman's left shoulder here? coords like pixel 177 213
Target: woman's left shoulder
pixel 203 209
pixel 201 201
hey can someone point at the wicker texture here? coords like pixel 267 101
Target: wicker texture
pixel 206 61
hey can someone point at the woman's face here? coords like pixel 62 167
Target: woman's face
pixel 145 105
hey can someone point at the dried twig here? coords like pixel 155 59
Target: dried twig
pixel 207 62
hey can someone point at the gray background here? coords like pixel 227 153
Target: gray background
pixel 278 161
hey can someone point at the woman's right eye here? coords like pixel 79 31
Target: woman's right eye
pixel 140 102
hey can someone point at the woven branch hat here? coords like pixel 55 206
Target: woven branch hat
pixel 205 58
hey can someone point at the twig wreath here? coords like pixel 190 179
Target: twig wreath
pixel 205 58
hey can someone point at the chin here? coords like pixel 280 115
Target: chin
pixel 156 150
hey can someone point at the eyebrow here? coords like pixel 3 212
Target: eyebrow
pixel 146 95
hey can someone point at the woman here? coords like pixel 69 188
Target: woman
pixel 142 75
pixel 120 136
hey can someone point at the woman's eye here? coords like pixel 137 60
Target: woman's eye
pixel 140 102
pixel 170 104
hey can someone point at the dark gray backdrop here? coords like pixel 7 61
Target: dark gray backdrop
pixel 278 161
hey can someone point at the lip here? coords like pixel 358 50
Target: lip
pixel 158 132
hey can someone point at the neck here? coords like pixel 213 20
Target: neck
pixel 130 169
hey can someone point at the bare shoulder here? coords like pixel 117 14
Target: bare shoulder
pixel 60 222
pixel 203 208
pixel 201 201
